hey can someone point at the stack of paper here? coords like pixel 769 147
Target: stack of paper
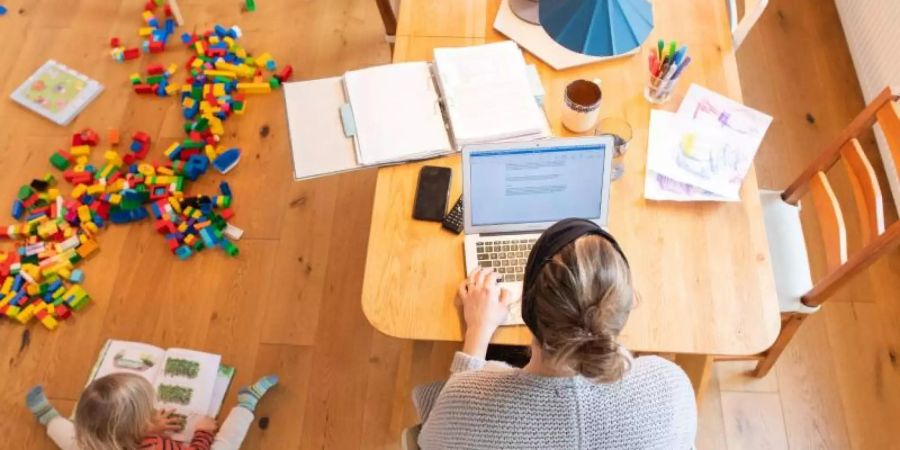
pixel 702 152
pixel 396 112
pixel 487 94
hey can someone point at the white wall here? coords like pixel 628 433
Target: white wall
pixel 873 34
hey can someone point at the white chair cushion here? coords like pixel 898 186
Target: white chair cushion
pixel 790 262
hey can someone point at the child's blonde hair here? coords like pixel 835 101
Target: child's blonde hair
pixel 114 412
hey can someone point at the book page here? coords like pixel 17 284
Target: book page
pixel 185 382
pixel 397 113
pixel 129 357
pixel 223 382
pixel 487 93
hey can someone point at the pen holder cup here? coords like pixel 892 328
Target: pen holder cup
pixel 659 90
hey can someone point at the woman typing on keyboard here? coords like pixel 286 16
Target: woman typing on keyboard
pixel 580 389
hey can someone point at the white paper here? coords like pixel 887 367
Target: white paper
pixel 660 187
pixel 487 94
pixel 711 143
pixel 397 113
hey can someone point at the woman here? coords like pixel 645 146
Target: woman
pixel 581 389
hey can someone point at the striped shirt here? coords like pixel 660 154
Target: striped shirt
pixel 202 441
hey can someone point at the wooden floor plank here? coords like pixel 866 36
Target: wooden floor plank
pixel 753 421
pixel 867 371
pixel 282 406
pixel 290 303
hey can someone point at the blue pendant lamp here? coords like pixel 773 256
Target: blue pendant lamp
pixel 597 27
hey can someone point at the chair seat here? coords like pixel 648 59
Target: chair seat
pixel 790 262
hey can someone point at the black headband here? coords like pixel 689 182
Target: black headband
pixel 553 240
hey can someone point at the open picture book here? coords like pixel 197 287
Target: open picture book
pixel 192 383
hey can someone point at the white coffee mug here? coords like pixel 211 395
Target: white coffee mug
pixel 581 105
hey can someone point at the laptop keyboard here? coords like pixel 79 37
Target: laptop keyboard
pixel 506 256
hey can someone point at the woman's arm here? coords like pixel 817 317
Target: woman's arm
pixel 485 307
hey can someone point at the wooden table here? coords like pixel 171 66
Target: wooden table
pixel 702 270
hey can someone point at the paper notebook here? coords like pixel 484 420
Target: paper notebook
pixel 487 94
pixel 191 382
pixel 396 113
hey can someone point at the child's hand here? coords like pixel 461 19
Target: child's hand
pixel 164 421
pixel 207 424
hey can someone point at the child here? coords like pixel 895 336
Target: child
pixel 116 412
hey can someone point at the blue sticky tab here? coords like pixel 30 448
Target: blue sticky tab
pixel 347 120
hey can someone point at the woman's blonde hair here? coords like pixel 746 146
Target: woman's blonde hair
pixel 114 413
pixel 583 296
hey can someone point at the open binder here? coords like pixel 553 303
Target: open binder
pixel 409 111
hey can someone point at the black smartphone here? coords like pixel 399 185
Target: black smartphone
pixel 432 193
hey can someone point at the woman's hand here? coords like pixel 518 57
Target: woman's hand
pixel 164 421
pixel 485 307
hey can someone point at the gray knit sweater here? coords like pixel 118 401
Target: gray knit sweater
pixel 492 405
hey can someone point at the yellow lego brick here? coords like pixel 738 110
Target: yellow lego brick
pixel 215 126
pixel 115 199
pixel 148 16
pixel 6 287
pixel 219 73
pixel 197 62
pixel 95 189
pixel 210 152
pixel 7 298
pixel 198 47
pixel 84 213
pixel 78 191
pixel 81 162
pixel 254 88
pixel 12 311
pixel 53 192
pixel 26 314
pixel 172 69
pixel 171 89
pixel 262 60
pixel 218 89
pixel 165 171
pixel 49 322
pixel 145 31
pixel 90 226
pixel 240 70
pixel 80 150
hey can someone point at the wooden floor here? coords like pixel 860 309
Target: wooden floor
pixel 290 304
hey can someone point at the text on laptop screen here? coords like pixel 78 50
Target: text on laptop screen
pixel 536 185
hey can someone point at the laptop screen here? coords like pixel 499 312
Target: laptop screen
pixel 536 185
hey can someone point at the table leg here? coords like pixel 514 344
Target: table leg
pixel 698 369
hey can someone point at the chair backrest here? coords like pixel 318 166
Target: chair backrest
pixel 876 239
pixel 742 23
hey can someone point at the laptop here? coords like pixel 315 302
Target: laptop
pixel 512 192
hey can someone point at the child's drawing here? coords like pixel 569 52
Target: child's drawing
pixel 710 143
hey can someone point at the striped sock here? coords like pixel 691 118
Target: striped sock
pixel 249 396
pixel 37 402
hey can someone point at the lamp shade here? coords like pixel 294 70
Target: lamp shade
pixel 597 27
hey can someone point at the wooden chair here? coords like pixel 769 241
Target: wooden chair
pixel 389 17
pixel 797 295
pixel 753 10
